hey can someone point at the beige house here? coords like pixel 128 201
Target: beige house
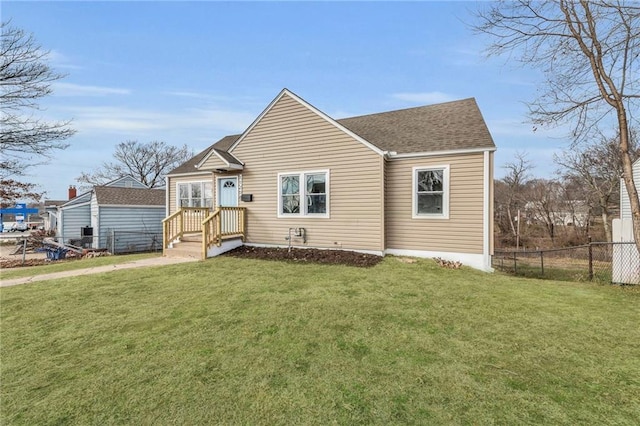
pixel 416 182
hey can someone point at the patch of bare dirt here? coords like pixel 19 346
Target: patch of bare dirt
pixel 331 257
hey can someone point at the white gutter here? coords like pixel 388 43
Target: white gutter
pixel 394 155
pixel 486 219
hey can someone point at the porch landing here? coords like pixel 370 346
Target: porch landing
pixel 190 246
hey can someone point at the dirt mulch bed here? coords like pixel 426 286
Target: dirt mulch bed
pixel 17 263
pixel 331 257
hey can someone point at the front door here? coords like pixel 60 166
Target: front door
pixel 228 192
pixel 228 197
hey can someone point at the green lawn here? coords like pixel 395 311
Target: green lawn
pixel 232 341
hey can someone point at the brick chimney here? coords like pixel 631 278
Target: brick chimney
pixel 72 192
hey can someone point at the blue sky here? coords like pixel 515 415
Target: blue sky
pixel 192 72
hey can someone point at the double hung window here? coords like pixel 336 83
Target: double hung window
pixel 195 194
pixel 431 192
pixel 303 194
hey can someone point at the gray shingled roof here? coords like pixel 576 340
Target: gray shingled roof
pixel 112 195
pixel 441 127
pixel 228 157
pixel 455 125
pixel 189 166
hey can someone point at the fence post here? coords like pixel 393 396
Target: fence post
pixel 590 260
pixel 541 263
pixel 515 264
pixel 24 250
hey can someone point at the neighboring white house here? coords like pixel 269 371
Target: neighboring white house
pixel 626 259
pixel 50 215
pixel 124 206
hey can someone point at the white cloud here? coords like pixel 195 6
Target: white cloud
pixel 188 95
pixel 70 89
pixel 59 60
pixel 153 123
pixel 425 97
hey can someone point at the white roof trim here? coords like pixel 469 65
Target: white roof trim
pixel 194 173
pixel 312 109
pixel 78 200
pixel 213 151
pixel 136 206
pixel 393 155
pixel 73 206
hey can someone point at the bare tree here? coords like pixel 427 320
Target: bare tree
pixel 589 51
pixel 12 191
pixel 147 162
pixel 25 78
pixel 598 167
pixel 545 204
pixel 509 192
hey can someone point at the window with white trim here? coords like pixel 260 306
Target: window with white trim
pixel 431 192
pixel 303 194
pixel 195 194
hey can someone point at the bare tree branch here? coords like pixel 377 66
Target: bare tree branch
pixel 589 53
pixel 25 78
pixel 147 162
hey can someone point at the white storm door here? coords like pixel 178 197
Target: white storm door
pixel 228 192
pixel 228 197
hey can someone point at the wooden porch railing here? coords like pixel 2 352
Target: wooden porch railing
pixel 223 222
pixel 184 221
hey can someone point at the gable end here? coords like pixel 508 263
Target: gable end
pixel 312 109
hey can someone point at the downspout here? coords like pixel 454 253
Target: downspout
pixel 486 216
pixel 383 169
pixel 167 188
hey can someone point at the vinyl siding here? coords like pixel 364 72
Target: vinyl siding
pixel 291 138
pixel 172 188
pixel 132 226
pixel 625 204
pixel 127 182
pixel 213 163
pixel 73 219
pixel 462 232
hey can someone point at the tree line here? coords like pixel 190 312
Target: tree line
pixel 577 202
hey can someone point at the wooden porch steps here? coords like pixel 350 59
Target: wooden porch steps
pixel 190 246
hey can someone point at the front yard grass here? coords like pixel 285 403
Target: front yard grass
pixel 236 341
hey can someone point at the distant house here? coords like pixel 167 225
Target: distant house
pixel 120 216
pixel 417 181
pixel 50 214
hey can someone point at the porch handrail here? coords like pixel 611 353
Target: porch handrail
pixel 223 222
pixel 185 220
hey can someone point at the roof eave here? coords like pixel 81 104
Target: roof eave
pixel 394 155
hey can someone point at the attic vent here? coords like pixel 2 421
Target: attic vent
pixel 128 184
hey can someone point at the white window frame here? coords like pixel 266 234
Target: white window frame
pixel 303 194
pixel 191 182
pixel 445 192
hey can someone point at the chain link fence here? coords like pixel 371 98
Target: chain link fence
pixel 617 263
pixel 121 242
pixel 116 242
